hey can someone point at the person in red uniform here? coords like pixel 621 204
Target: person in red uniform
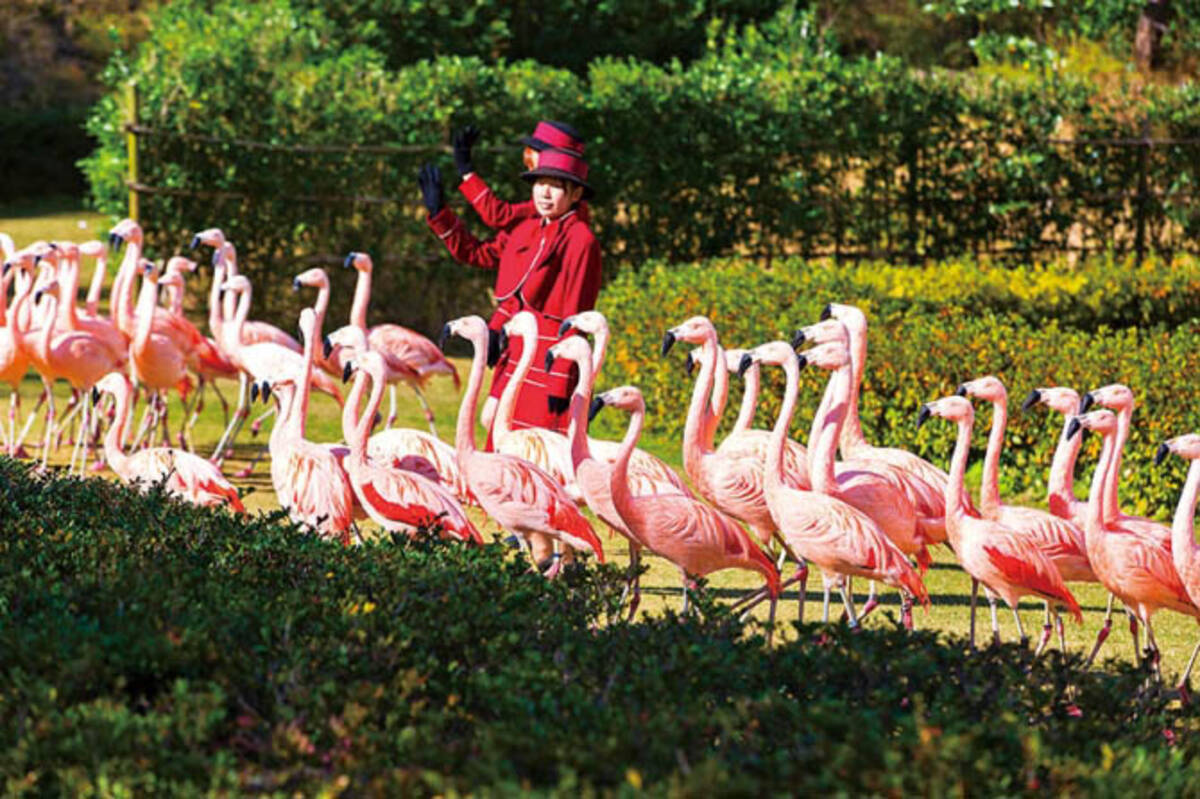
pixel 496 213
pixel 548 263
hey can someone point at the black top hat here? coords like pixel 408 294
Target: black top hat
pixel 550 134
pixel 565 164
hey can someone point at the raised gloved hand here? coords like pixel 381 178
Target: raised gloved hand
pixel 430 181
pixel 462 141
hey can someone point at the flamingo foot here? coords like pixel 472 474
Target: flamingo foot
pixel 872 603
pixel 906 616
pixel 242 474
pixel 555 567
pixel 98 466
pixel 1185 696
pixel 255 427
pixel 21 452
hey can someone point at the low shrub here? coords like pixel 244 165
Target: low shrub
pixel 149 647
pixel 922 347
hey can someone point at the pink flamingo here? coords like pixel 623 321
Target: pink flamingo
pixel 65 255
pixel 411 358
pixel 74 355
pixel 395 499
pixel 14 362
pixel 1140 571
pixel 819 525
pixel 97 250
pixel 308 478
pixel 187 476
pixel 1184 553
pixel 698 539
pixel 924 483
pixel 1060 487
pixel 1060 539
pixel 158 362
pixel 648 474
pixel 522 498
pixel 259 361
pixel 1004 561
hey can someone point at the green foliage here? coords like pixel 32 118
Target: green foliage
pixel 932 329
pixel 152 648
pixel 769 143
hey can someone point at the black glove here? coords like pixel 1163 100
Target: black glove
pixel 462 141
pixel 557 405
pixel 430 181
pixel 496 345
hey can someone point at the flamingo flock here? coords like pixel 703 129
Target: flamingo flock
pixel 754 501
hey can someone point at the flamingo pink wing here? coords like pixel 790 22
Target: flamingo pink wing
pixel 1033 573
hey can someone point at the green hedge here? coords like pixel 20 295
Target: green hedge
pixel 147 647
pixel 922 349
pixel 770 143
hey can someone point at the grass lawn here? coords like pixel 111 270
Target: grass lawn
pixel 948 585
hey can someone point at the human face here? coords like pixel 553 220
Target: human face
pixel 553 197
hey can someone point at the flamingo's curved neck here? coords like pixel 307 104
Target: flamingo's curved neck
pixel 1183 538
pixel 233 334
pixel 43 339
pixel 773 465
pixel 619 480
pixel 989 490
pixel 502 425
pixel 214 305
pixel 464 429
pixel 122 310
pixel 69 275
pixel 114 439
pixel 852 434
pixel 1112 503
pixel 599 350
pixel 1094 523
pixel 5 283
pixel 577 427
pixel 353 427
pixel 96 287
pixel 745 417
pixel 1062 473
pixel 145 315
pixel 362 298
pixel 955 506
pixel 304 390
pixel 696 443
pixel 227 258
pixel 826 430
pixel 720 396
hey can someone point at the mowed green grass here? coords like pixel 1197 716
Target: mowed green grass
pixel 948 585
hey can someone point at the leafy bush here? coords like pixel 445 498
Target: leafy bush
pixel 770 143
pixel 921 349
pixel 150 647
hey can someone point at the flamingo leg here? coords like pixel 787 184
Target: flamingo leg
pixel 235 424
pixel 974 601
pixel 82 435
pixel 872 600
pixel 1105 629
pixel 49 427
pixel 1062 635
pixel 144 425
pixel 425 406
pixel 1047 629
pixel 65 422
pixel 1021 636
pixel 1133 630
pixel 29 420
pixel 1184 693
pixel 249 470
pixel 14 406
pixel 995 619
pixel 1152 649
pixel 756 598
pixel 848 601
pixel 906 604
pixel 632 582
pixel 771 620
pixel 825 602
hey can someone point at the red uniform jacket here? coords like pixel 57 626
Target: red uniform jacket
pixel 551 269
pixel 496 213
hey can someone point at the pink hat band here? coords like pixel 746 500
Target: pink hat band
pixel 554 137
pixel 563 162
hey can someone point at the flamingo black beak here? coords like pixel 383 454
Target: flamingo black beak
pixel 744 364
pixel 7 266
pixel 1161 454
pixel 1086 401
pixel 96 397
pixel 801 360
pixel 254 392
pixel 346 371
pixel 668 342
pixel 689 364
pixel 596 406
pixel 196 242
pixel 116 241
pixel 445 334
pixel 1073 427
pixel 827 311
pixel 266 390
pixel 1034 398
pixel 923 415
pixel 549 359
pixel 295 284
pixel 565 327
pixel 326 346
pixel 37 295
pixel 349 262
pixel 798 338
pixel 961 391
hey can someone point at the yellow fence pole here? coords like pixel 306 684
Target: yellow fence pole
pixel 131 108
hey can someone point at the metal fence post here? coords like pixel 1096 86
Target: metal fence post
pixel 1140 210
pixel 131 110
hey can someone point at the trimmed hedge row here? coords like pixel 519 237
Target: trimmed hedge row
pixel 148 647
pixel 919 351
pixel 770 143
